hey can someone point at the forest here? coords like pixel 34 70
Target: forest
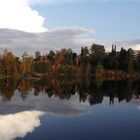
pixel 91 61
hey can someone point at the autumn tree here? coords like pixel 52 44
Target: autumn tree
pixel 41 67
pixel 68 57
pixel 9 63
pixel 26 65
pixel 2 72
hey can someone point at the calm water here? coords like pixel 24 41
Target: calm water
pixel 59 110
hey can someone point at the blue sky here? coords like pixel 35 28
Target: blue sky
pixel 112 20
pixel 57 24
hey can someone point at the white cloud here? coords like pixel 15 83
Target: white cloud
pixel 136 47
pixel 18 125
pixel 42 2
pixel 65 37
pixel 16 14
pixel 134 44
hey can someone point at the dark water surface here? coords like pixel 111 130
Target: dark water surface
pixel 56 110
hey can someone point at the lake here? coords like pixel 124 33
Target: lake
pixel 51 109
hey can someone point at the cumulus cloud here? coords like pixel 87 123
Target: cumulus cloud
pixel 17 14
pixel 19 124
pixel 56 39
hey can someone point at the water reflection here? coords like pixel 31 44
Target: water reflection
pixel 92 93
pixel 67 102
pixel 53 106
pixel 19 124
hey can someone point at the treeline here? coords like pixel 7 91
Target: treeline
pixel 125 60
pixel 90 61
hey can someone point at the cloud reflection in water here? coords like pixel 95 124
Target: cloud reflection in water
pixel 53 105
pixel 19 124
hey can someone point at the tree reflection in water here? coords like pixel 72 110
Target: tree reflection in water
pixel 93 92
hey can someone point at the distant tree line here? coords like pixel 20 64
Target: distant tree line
pixel 90 61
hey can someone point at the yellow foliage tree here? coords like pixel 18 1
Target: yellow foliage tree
pixel 26 65
pixel 9 63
